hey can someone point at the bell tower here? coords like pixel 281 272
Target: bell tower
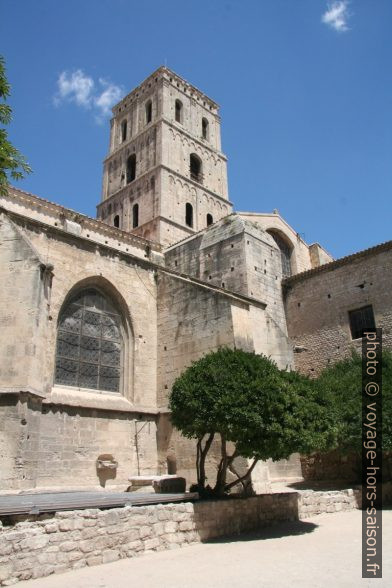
pixel 165 176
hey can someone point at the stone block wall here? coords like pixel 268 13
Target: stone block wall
pixel 318 303
pixel 75 539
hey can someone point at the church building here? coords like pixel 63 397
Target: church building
pixel 99 316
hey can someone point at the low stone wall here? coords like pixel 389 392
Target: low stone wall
pixel 68 540
pixel 312 502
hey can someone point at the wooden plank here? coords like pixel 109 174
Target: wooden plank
pixel 59 501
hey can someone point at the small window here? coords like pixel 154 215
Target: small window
pixel 210 220
pixel 195 166
pixel 135 216
pixel 116 221
pixel 204 128
pixel 189 215
pixel 131 168
pixel 148 112
pixel 124 131
pixel 361 318
pixel 178 108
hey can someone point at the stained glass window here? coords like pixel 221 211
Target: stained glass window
pixel 89 343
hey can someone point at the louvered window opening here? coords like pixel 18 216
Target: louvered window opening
pixel 89 343
pixel 360 319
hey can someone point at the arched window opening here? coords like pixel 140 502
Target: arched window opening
pixel 124 131
pixel 195 168
pixel 204 128
pixel 285 253
pixel 148 111
pixel 178 109
pixel 131 168
pixel 189 215
pixel 89 343
pixel 210 220
pixel 116 221
pixel 135 216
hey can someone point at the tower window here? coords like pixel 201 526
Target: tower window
pixel 195 168
pixel 210 220
pixel 131 168
pixel 89 343
pixel 148 112
pixel 361 318
pixel 116 221
pixel 178 109
pixel 124 131
pixel 204 128
pixel 188 214
pixel 135 216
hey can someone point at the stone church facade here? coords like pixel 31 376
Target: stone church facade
pixel 99 316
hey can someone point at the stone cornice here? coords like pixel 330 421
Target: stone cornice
pixel 332 265
pixel 60 213
pixel 163 73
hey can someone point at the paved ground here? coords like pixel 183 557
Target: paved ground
pixel 322 552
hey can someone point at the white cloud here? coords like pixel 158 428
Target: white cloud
pixel 336 16
pixel 109 96
pixel 75 87
pixel 82 90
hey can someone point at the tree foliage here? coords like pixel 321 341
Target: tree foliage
pixel 342 384
pixel 244 399
pixel 12 162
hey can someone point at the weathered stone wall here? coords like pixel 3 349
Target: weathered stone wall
pixel 238 256
pixel 52 435
pixel 300 257
pixel 318 303
pixel 25 293
pixel 331 466
pixel 71 540
pixel 311 503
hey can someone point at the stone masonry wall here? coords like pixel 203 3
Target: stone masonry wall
pixel 70 540
pixel 55 543
pixel 318 303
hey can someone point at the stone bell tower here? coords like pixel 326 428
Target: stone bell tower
pixel 165 176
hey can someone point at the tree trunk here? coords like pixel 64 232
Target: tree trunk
pixel 201 460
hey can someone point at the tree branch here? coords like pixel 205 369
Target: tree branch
pixel 229 486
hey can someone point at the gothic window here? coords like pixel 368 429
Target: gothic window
pixel 135 216
pixel 195 167
pixel 131 168
pixel 210 220
pixel 361 318
pixel 178 109
pixel 123 130
pixel 148 111
pixel 204 128
pixel 89 343
pixel 189 214
pixel 116 221
pixel 285 253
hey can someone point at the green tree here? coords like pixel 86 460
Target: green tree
pixel 12 163
pixel 342 383
pixel 247 403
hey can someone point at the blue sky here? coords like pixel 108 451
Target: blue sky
pixel 304 86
